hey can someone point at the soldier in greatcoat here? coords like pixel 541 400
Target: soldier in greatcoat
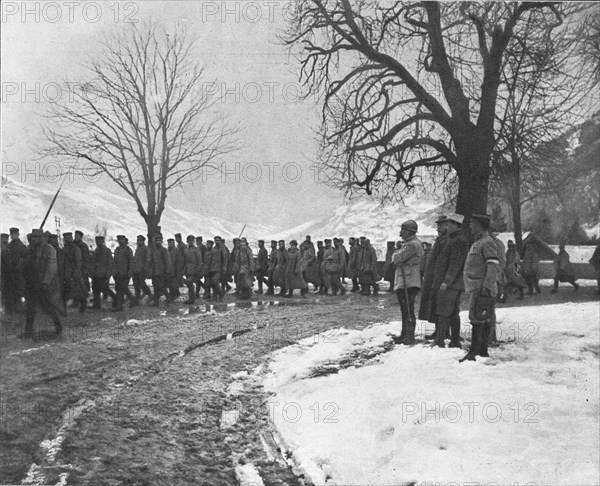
pixel 140 270
pixel 407 281
pixel 352 264
pixel 216 265
pixel 226 275
pixel 272 256
pixel 480 277
pixel 320 254
pixel 563 269
pixel 101 270
pixel 192 268
pixel 161 270
pixel 346 257
pixel 448 278
pixel 428 289
pixel 280 267
pixel 389 271
pixel 502 267
pixel 176 263
pixel 122 271
pixel 531 260
pixel 85 258
pixel 310 267
pixel 245 270
pixel 234 264
pixel 41 271
pixel 179 271
pixel 73 286
pixel 262 265
pixel 16 259
pixel 333 265
pixel 293 271
pixel 368 269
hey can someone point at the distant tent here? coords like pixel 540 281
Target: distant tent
pixel 544 251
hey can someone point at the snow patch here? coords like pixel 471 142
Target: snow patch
pixel 248 475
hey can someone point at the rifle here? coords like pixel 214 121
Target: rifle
pixel 242 232
pixel 51 205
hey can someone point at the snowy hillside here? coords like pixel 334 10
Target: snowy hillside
pixel 94 210
pixel 369 218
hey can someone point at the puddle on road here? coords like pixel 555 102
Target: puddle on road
pixel 223 307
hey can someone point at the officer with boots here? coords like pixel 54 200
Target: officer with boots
pixel 407 281
pixel 480 277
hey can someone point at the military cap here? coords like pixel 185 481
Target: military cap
pixel 336 239
pixel 198 238
pixel 481 218
pixel 80 233
pixel 121 237
pixel 457 218
pixel 236 239
pixel 158 236
pixel 327 240
pixel 273 241
pixel 37 232
pixel 319 242
pixel 13 230
pixel 261 241
pixel 47 233
pixel 141 237
pixel 209 242
pixel 442 218
pixel 53 236
pixel 281 241
pixel 308 237
pixel 410 225
pixel 294 243
pixel 4 235
pixel 100 238
pixel 177 235
pixel 170 239
pixel 68 233
pixel 510 243
pixel 190 237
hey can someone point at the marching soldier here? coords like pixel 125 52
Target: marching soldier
pixel 563 269
pixel 85 258
pixel 429 288
pixel 73 286
pixel 175 256
pixel 101 271
pixel 234 264
pixel 368 269
pixel 310 269
pixel 272 257
pixel 181 246
pixel 192 268
pixel 262 265
pixel 16 258
pixel 320 254
pixel 226 276
pixel 216 265
pixel 140 271
pixel 407 281
pixel 161 270
pixel 245 270
pixel 333 265
pixel 293 271
pixel 42 284
pixel 449 273
pixel 122 271
pixel 352 264
pixel 346 255
pixel 480 277
pixel 280 268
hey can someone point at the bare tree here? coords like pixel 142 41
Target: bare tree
pixel 144 119
pixel 413 86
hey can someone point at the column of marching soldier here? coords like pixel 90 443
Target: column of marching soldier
pixel 48 276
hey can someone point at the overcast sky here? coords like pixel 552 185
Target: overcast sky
pixel 257 89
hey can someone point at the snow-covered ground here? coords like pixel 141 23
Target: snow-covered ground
pixel 529 414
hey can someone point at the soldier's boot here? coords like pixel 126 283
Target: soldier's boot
pixel 576 286
pixel 537 287
pixel 455 334
pixel 555 289
pixel 375 289
pixel 409 338
pixel 476 339
pixel 134 302
pixel 343 290
pixel 282 292
pixel 400 339
pixel 431 336
pixel 304 291
pixel 355 287
pixel 442 328
pixel 521 294
pixel 366 290
pixel 290 293
pixel 486 336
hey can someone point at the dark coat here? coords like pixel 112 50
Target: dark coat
pixel 73 273
pixel 389 270
pixel 101 264
pixel 159 263
pixel 368 266
pixel 352 271
pixel 262 261
pixel 140 259
pixel 193 266
pixel 429 293
pixel 46 268
pixel 450 262
pixel 563 267
pixel 280 268
pixel 123 262
pixel 293 270
pixel 85 258
pixel 310 265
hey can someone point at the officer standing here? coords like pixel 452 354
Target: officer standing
pixel 480 276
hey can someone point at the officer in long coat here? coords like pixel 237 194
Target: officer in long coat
pixel 352 264
pixel 368 269
pixel 293 271
pixel 101 270
pixel 271 270
pixel 407 281
pixel 122 271
pixel 513 270
pixel 448 278
pixel 262 265
pixel 563 269
pixel 161 270
pixel 73 286
pixel 280 267
pixel 42 283
pixel 192 268
pixel 429 289
pixel 480 277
